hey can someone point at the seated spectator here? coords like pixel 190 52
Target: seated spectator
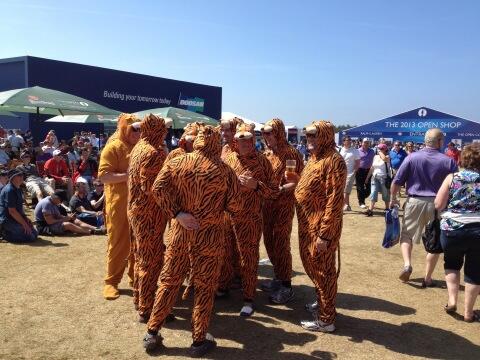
pixel 47 148
pixel 3 179
pixel 51 222
pixel 16 140
pixel 82 208
pixel 37 186
pixel 87 167
pixel 4 156
pixel 16 227
pixel 56 168
pixel 73 156
pixel 96 196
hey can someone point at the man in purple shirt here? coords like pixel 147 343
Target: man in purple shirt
pixel 366 160
pixel 423 172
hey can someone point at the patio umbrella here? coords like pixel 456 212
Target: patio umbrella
pixel 180 117
pixel 83 119
pixel 7 113
pixel 41 100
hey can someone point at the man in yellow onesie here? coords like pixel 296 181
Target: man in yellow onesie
pixel 319 203
pixel 146 218
pixel 113 172
pixel 194 190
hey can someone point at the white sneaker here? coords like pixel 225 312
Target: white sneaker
pixel 363 206
pixel 317 325
pixel 312 307
pixel 247 310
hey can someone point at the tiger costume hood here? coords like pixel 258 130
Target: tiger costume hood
pixel 189 133
pixel 245 132
pixel 154 129
pixel 324 131
pixel 208 142
pixel 278 128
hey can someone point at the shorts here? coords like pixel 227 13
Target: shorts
pixel 349 183
pixel 53 229
pixel 378 185
pixel 418 212
pixel 463 245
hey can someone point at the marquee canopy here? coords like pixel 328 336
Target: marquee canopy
pixel 412 125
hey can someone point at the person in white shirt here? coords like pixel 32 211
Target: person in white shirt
pixel 380 170
pixel 94 140
pixel 352 160
pixel 16 140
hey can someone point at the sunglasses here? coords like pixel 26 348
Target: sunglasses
pixel 98 185
pixel 309 135
pixel 134 129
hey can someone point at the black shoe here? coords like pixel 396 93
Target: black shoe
pixel 170 318
pixel 369 213
pixel 152 342
pixel 201 350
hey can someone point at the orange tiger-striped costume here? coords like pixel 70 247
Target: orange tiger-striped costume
pixel 319 203
pixel 248 222
pixel 231 267
pixel 146 218
pixel 278 214
pixel 198 183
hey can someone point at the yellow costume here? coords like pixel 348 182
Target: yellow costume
pixel 115 159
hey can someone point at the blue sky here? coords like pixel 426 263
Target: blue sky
pixel 345 61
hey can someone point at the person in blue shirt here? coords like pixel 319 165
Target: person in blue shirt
pixel 16 227
pixel 397 155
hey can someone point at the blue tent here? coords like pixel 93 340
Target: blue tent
pixel 412 125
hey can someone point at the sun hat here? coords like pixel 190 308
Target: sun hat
pixel 14 172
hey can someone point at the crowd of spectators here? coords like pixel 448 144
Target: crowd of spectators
pixel 58 178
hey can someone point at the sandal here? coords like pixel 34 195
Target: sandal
pixel 405 274
pixel 450 309
pixel 474 318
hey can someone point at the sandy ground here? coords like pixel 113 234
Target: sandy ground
pixel 52 308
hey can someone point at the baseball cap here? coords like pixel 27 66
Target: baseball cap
pixel 366 140
pixel 57 152
pixel 81 180
pixel 382 147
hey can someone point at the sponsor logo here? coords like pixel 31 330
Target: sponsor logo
pixel 422 112
pixel 195 104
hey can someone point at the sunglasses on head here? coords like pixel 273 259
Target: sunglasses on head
pixel 134 129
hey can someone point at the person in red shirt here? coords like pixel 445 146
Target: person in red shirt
pixel 56 168
pixel 453 153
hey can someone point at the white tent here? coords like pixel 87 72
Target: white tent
pixel 229 115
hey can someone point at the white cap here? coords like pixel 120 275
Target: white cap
pixel 57 152
pixel 366 140
pixel 81 180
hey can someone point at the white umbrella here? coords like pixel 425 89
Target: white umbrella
pixel 229 115
pixel 83 119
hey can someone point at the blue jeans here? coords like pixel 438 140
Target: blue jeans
pixel 378 185
pixel 13 232
pixel 463 245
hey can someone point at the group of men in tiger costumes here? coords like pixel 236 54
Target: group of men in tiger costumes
pixel 218 202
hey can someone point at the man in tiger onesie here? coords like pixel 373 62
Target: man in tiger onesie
pixel 146 218
pixel 256 177
pixel 278 214
pixel 185 144
pixel 195 190
pixel 319 203
pixel 113 172
pixel 231 265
